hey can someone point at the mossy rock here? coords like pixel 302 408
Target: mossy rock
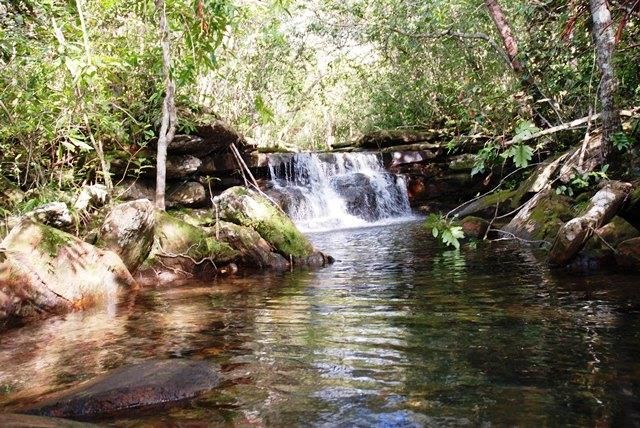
pixel 47 271
pixel 541 217
pixel 248 208
pixel 612 234
pixel 254 251
pixel 174 236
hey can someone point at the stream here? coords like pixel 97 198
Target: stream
pixel 396 333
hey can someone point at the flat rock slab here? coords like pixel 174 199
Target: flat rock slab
pixel 12 420
pixel 151 383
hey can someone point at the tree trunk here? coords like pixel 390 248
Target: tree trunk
pixel 603 38
pixel 511 49
pixel 509 42
pixel 169 115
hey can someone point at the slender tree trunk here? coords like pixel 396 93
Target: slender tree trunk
pixel 604 41
pixel 169 115
pixel 509 42
pixel 511 49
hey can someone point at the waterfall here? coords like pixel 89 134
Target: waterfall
pixel 333 191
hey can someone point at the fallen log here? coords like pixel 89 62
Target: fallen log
pixel 572 237
pixel 574 124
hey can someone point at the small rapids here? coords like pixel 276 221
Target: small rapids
pixel 338 191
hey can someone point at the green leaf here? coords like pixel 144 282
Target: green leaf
pixel 521 155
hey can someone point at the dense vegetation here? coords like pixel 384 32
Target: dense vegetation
pixel 82 82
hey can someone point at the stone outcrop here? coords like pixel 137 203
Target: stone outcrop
pixel 250 209
pixel 128 231
pixel 127 389
pixel 252 249
pixel 47 271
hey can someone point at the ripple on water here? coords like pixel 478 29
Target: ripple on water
pixel 396 333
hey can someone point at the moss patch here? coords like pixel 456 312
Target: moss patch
pixel 241 206
pixel 176 236
pixel 550 214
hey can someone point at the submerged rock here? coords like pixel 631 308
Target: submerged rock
pixel 247 208
pixel 47 271
pixel 13 420
pixel 128 231
pixel 152 383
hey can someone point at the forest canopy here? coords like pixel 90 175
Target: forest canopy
pixel 82 81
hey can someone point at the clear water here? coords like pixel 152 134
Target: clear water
pixel 397 333
pixel 339 191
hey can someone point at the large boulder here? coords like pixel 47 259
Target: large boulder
pixel 541 217
pixel 46 271
pixel 183 250
pixel 253 251
pixel 150 384
pixel 182 166
pixel 128 231
pixel 132 189
pixel 248 208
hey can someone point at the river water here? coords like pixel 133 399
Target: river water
pixel 397 333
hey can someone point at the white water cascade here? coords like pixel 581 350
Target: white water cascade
pixel 337 191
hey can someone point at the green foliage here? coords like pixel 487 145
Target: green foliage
pixel 520 153
pixel 446 230
pixel 621 142
pixel 295 73
pixel 583 181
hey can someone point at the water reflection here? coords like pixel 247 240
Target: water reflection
pixel 397 333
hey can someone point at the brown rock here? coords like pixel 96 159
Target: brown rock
pixel 12 420
pixel 149 384
pixel 190 194
pixel 46 271
pixel 474 227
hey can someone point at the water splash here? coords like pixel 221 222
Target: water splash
pixel 336 191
